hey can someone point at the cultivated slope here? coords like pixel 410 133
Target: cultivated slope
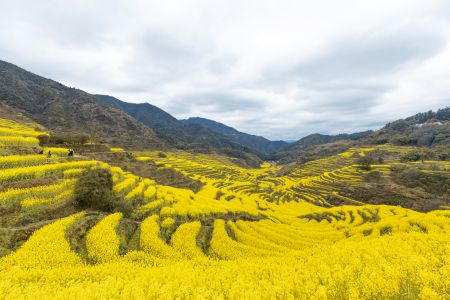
pixel 246 233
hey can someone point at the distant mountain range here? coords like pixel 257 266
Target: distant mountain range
pixel 144 126
pixel 180 135
pixel 70 111
pixel 320 139
pixel 257 143
pixel 194 132
pixel 318 145
pixel 430 129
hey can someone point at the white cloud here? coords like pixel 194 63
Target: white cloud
pixel 282 69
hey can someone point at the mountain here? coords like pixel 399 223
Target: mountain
pixel 13 114
pixel 315 146
pixel 427 129
pixel 68 112
pixel 165 125
pixel 65 110
pixel 257 143
pixel 192 137
pixel 319 139
pixel 423 129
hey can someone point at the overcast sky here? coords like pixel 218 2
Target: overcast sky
pixel 281 69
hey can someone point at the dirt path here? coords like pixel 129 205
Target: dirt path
pixel 31 225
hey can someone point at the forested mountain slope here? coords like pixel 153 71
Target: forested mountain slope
pixel 318 145
pixel 427 129
pixel 257 143
pixel 71 111
pixel 190 137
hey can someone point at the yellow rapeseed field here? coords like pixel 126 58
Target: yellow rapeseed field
pixel 246 234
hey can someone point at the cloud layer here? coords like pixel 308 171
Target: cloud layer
pixel 281 69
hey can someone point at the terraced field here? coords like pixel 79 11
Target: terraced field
pixel 263 233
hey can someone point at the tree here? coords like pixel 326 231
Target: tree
pixel 94 190
pixel 416 155
pixel 365 162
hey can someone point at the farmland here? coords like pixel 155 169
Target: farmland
pixel 276 231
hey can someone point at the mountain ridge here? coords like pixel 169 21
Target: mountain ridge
pixel 180 135
pixel 258 143
pixel 427 129
pixel 66 110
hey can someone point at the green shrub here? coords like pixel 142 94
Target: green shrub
pixel 64 139
pixel 364 162
pixel 412 177
pixel 94 190
pixel 120 205
pixel 416 155
pixel 374 176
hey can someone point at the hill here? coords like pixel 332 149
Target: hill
pixel 318 145
pixel 8 112
pixel 191 137
pixel 319 139
pixel 427 129
pixel 314 232
pixel 257 143
pixel 67 110
pixel 165 125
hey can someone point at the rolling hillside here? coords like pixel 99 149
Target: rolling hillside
pixel 429 129
pixel 270 150
pixel 185 215
pixel 300 233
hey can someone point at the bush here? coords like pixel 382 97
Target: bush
pixel 125 207
pixel 416 155
pixel 365 162
pixel 64 139
pixel 374 176
pixel 399 125
pixel 401 140
pixel 413 155
pixel 94 190
pixel 444 154
pixel 411 177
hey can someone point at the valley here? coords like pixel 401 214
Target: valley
pixel 295 229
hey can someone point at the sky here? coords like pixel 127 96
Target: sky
pixel 280 69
